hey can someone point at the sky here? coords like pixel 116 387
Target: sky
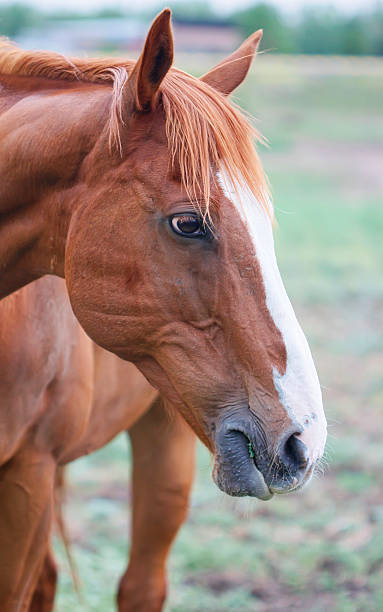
pixel 224 6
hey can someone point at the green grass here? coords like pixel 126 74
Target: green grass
pixel 321 549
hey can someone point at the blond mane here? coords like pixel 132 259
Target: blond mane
pixel 204 129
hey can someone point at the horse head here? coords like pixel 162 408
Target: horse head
pixel 170 264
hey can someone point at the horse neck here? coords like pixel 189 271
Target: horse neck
pixel 46 135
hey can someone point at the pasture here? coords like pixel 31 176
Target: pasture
pixel 322 548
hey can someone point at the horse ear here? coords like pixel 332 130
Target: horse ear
pixel 231 71
pixel 154 62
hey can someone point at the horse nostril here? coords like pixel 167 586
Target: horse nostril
pixel 294 453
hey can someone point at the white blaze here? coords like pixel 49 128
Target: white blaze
pixel 298 388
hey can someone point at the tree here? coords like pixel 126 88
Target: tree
pixel 14 17
pixel 277 34
pixel 320 31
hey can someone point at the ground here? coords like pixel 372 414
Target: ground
pixel 320 549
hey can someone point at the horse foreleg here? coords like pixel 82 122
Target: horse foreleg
pixel 45 591
pixel 163 468
pixel 26 504
pixel 44 594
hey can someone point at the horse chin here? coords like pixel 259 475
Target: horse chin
pixel 252 484
pixel 235 471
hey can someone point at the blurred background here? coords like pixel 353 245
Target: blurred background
pixel 316 91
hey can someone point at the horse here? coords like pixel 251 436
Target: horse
pixel 65 393
pixel 140 186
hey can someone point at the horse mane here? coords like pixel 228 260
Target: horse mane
pixel 204 129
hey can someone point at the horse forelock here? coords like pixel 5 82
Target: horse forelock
pixel 207 133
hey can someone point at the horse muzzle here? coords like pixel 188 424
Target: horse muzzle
pixel 244 466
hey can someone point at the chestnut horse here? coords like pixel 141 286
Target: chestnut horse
pixel 140 185
pixel 75 398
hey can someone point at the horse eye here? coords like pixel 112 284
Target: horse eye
pixel 187 224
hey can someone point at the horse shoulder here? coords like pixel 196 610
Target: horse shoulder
pixel 45 370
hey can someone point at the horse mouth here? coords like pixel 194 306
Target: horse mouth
pixel 235 470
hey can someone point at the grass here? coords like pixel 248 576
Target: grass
pixel 322 548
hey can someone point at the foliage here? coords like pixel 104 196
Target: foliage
pixel 14 17
pixel 276 36
pixel 325 31
pixel 318 30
